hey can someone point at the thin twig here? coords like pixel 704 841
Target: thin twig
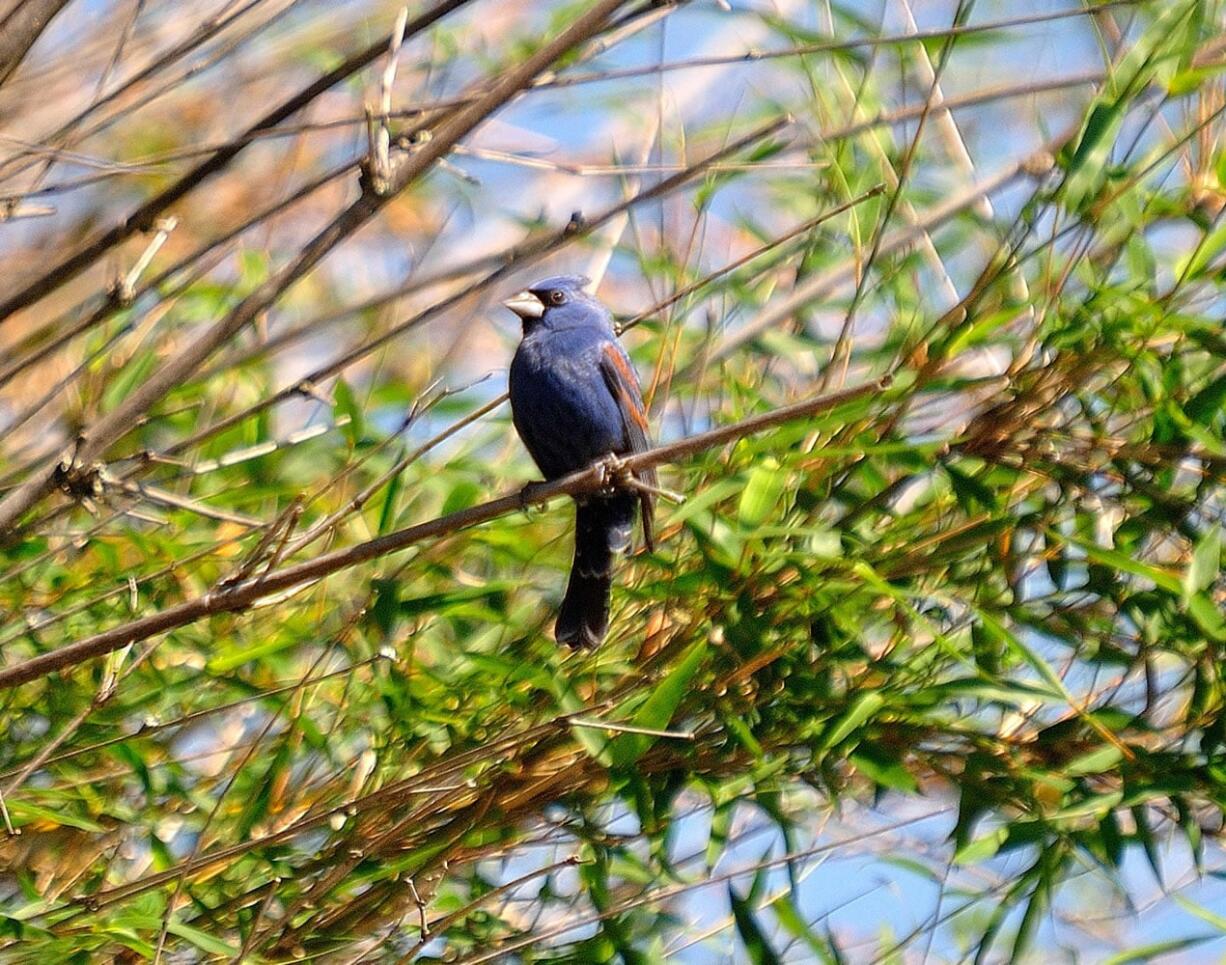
pixel 685 735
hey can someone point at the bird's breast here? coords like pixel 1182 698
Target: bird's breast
pixel 561 406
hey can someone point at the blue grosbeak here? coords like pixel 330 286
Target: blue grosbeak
pixel 575 398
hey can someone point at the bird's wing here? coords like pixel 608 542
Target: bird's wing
pixel 623 385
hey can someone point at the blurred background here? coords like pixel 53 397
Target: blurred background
pixel 932 713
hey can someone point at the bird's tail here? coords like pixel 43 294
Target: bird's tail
pixel 602 529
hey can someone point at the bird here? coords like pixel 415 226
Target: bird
pixel 575 400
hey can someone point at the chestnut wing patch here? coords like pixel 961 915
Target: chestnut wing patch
pixel 623 385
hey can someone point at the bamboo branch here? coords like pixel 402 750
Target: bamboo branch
pixel 825 283
pixel 59 331
pixel 589 480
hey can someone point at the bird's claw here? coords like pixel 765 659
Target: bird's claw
pixel 613 475
pixel 528 495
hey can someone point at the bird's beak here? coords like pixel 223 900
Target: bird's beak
pixel 525 305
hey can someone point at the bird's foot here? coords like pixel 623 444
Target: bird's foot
pixel 616 476
pixel 613 475
pixel 530 495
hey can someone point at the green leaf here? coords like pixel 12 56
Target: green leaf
pixel 348 412
pixel 22 813
pixel 1184 82
pixel 129 938
pixel 785 910
pixel 744 736
pixel 1095 805
pixel 1094 762
pixel 385 611
pixel 969 490
pixel 1190 825
pixel 1145 954
pixel 1209 402
pixel 1085 168
pixel 387 514
pixel 862 708
pixel 697 503
pixel 1208 249
pixel 761 493
pixel 657 710
pixel 1162 578
pixel 757 948
pixel 1035 907
pixel 463 494
pixel 978 330
pixel 717 836
pixel 440 603
pixel 259 797
pixel 1206 563
pixel 1160 43
pixel 1207 616
pixel 224 663
pixel 884 771
pixel 132 374
pixel 1213 918
pixel 253 266
pixel 983 847
pixel 202 940
pixel 1140 817
pixel 1040 666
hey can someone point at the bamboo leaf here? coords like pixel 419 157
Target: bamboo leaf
pixel 757 948
pixel 1206 564
pixel 656 712
pixel 201 939
pixel 862 708
pixel 761 493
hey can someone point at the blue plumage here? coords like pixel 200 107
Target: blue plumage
pixel 574 399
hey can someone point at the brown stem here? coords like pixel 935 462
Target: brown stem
pixel 144 216
pixel 20 28
pixel 239 598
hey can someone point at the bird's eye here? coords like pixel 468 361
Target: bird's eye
pixel 557 296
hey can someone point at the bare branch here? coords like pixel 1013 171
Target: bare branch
pixel 143 217
pixel 19 30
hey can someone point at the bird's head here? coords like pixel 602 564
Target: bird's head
pixel 558 302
